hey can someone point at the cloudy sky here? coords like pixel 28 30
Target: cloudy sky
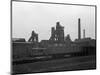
pixel 41 17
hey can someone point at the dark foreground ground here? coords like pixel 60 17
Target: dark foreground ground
pixel 64 64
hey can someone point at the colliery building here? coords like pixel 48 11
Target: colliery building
pixel 57 45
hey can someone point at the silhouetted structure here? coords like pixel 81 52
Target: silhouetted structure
pixel 57 34
pixel 79 28
pixel 34 37
pixel 83 33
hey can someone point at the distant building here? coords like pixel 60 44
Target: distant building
pixel 34 37
pixel 18 40
pixel 68 40
pixel 57 35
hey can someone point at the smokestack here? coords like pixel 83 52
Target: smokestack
pixel 79 29
pixel 83 33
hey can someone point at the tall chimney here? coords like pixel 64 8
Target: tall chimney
pixel 79 29
pixel 83 33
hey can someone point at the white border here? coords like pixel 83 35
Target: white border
pixel 5 38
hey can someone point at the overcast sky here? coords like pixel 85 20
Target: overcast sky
pixel 41 17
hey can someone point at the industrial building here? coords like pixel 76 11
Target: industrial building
pixel 57 44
